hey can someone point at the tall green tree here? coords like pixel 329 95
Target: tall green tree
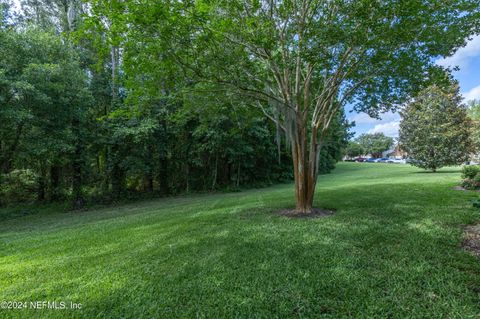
pixel 435 129
pixel 474 114
pixel 354 149
pixel 375 143
pixel 299 61
pixel 131 138
pixel 47 95
pixel 474 109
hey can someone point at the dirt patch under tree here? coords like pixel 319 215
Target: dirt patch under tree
pixel 472 239
pixel 316 213
pixel 461 188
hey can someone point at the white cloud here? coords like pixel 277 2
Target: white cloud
pixel 362 118
pixel 464 55
pixel 473 94
pixel 389 129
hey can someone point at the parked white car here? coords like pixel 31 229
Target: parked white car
pixel 396 161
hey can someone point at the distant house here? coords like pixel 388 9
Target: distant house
pixel 396 152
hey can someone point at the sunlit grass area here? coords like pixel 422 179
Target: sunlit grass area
pixel 392 250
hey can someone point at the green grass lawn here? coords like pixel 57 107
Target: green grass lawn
pixel 392 250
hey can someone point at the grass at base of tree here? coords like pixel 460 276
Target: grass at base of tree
pixel 393 249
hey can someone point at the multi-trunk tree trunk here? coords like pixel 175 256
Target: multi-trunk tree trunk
pixel 305 147
pixel 305 125
pixel 305 118
pixel 302 97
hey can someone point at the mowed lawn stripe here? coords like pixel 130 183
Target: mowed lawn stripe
pixel 392 249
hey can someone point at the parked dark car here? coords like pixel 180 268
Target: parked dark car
pixel 360 159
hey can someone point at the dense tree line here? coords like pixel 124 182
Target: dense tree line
pixel 104 98
pixel 76 126
pixel 299 61
pixel 369 144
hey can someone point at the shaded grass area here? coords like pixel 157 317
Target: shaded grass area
pixel 392 249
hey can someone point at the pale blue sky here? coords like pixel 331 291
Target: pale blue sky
pixel 467 59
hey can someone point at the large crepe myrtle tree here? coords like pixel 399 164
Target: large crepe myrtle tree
pixel 300 61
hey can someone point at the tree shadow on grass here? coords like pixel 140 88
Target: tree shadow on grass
pixel 448 171
pixel 381 255
pixel 370 268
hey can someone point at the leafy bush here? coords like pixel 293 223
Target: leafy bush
pixel 476 203
pixel 19 185
pixel 470 171
pixel 470 184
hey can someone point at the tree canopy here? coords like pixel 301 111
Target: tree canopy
pixel 474 114
pixel 354 149
pixel 299 61
pixel 375 144
pixel 435 129
pixel 108 98
pixel 75 127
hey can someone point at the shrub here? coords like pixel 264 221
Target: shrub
pixel 470 171
pixel 18 186
pixel 476 203
pixel 472 183
pixel 467 184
